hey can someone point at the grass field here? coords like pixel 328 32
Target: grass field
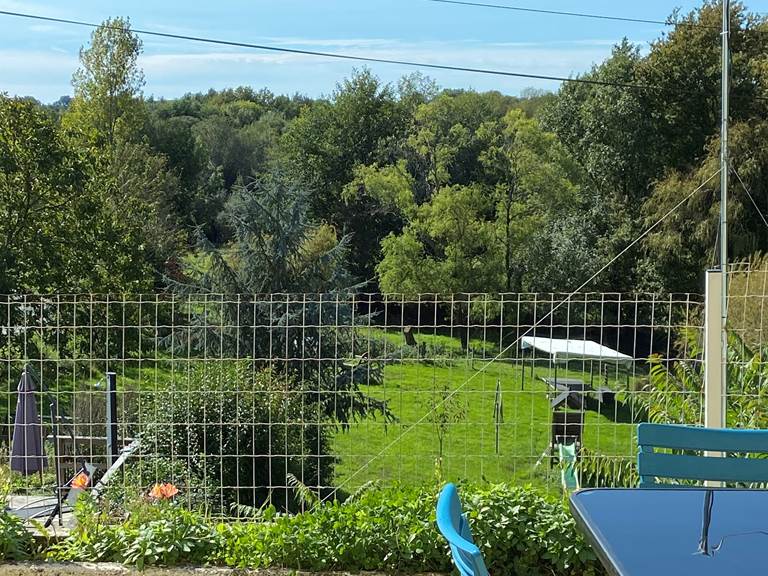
pixel 408 449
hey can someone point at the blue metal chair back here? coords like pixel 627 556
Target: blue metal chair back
pixel 652 464
pixel 454 527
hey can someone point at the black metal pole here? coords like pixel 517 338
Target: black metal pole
pixel 56 464
pixel 112 445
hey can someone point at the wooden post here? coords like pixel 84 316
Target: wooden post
pixel 714 387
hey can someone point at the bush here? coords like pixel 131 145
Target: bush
pixel 16 543
pixel 155 533
pixel 519 531
pixel 225 424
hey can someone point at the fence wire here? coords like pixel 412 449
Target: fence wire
pixel 244 399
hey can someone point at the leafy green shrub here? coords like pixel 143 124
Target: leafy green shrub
pixel 598 470
pixel 178 537
pixel 676 393
pixel 16 543
pixel 519 531
pixel 219 422
pixel 155 533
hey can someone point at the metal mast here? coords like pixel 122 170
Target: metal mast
pixel 724 170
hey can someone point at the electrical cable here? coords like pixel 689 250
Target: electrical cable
pixel 762 217
pixel 552 310
pixel 575 14
pixel 329 54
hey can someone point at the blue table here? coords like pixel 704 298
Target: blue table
pixel 697 532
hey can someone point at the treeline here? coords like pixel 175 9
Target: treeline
pixel 398 188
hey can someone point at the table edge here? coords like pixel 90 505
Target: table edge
pixel 593 538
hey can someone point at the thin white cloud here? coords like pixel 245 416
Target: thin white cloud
pixel 172 70
pixel 34 62
pixel 43 28
pixel 541 58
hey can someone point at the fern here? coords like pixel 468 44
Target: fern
pixel 362 490
pixel 304 494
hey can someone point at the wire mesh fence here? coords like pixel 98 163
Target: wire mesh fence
pixel 240 400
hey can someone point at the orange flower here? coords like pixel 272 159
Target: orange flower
pixel 81 481
pixel 164 491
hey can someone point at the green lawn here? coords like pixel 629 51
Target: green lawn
pixel 408 449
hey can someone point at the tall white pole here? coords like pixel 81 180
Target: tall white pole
pixel 724 169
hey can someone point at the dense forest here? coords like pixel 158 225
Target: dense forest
pixel 394 188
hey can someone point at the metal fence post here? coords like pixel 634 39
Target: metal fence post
pixel 714 387
pixel 112 447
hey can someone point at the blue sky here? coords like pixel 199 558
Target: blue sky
pixel 37 58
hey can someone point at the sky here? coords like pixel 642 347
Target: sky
pixel 38 58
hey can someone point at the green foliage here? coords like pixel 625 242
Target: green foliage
pixel 600 471
pixel 448 408
pixel 61 231
pixel 682 246
pixel 277 250
pixel 16 542
pixel 219 420
pixel 676 393
pixel 747 292
pixel 320 150
pixel 393 530
pixel 499 231
pixel 40 182
pixel 155 533
pixel 519 532
pixel 108 84
pixel 179 537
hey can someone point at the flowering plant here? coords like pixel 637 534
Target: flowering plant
pixel 163 491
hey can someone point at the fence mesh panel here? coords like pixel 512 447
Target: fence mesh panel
pixel 242 399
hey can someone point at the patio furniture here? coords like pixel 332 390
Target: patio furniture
pixel 570 391
pixel 453 525
pixel 567 428
pixel 697 531
pixel 652 464
pixel 569 478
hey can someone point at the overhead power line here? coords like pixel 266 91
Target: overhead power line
pixel 575 14
pixel 335 55
pixel 552 12
pixel 530 330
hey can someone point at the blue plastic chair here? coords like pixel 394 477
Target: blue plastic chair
pixel 454 527
pixel 652 464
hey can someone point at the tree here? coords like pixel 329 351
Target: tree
pixel 448 247
pixel 278 251
pixel 41 181
pixel 684 244
pixel 107 116
pixel 322 147
pixel 534 190
pixel 61 231
pixel 108 83
pixel 498 234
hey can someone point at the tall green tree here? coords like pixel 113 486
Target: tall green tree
pixel 279 252
pixel 322 147
pixel 108 83
pixel 498 234
pixel 107 116
pixel 41 182
pixel 60 228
